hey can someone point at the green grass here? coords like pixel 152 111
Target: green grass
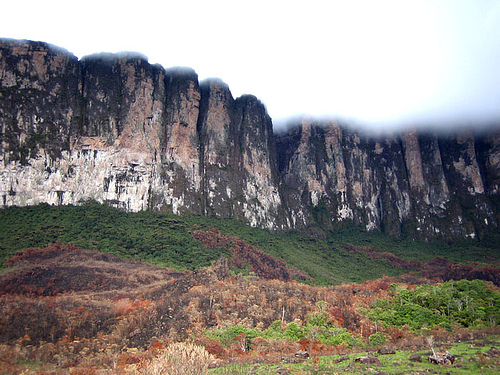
pixel 152 237
pixel 166 239
pixel 468 361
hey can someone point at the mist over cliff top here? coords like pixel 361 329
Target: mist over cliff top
pixel 441 123
pixel 385 64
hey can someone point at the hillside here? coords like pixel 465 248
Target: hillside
pixel 66 268
pixel 192 242
pixel 146 216
pixel 65 309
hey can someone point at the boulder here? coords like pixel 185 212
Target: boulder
pixel 384 350
pixel 492 352
pixel 415 358
pixel 302 354
pixel 367 360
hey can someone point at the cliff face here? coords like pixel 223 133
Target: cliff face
pixel 118 130
pixel 424 184
pixel 240 176
pixel 333 175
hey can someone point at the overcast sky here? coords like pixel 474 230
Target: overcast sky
pixel 380 61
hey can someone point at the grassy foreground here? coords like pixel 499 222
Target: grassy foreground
pixel 471 357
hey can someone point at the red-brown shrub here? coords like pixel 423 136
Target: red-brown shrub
pixel 212 346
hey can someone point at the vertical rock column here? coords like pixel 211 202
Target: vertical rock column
pixel 377 187
pixel 38 99
pixel 332 175
pixel 261 203
pixel 123 99
pixel 39 111
pixel 334 151
pixel 180 156
pixel 238 158
pixel 309 164
pixel 488 157
pixel 428 187
pixel 471 210
pixel 219 154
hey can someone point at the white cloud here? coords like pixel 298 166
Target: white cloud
pixel 384 61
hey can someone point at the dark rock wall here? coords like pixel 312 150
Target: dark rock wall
pixel 423 185
pixel 118 130
pixel 37 79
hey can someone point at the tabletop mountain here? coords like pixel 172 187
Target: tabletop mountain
pixel 115 129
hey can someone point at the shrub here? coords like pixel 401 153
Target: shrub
pixel 274 331
pixel 460 303
pixel 377 339
pixel 319 320
pixel 229 335
pixel 338 336
pixel 293 332
pixel 180 359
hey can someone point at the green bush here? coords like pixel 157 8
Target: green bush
pixel 229 335
pixel 377 339
pixel 274 331
pixel 293 332
pixel 319 320
pixel 338 336
pixel 460 303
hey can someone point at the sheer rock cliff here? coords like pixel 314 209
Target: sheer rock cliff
pixel 426 185
pixel 116 129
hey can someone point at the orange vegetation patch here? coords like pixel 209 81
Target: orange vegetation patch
pixel 122 313
pixel 262 264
